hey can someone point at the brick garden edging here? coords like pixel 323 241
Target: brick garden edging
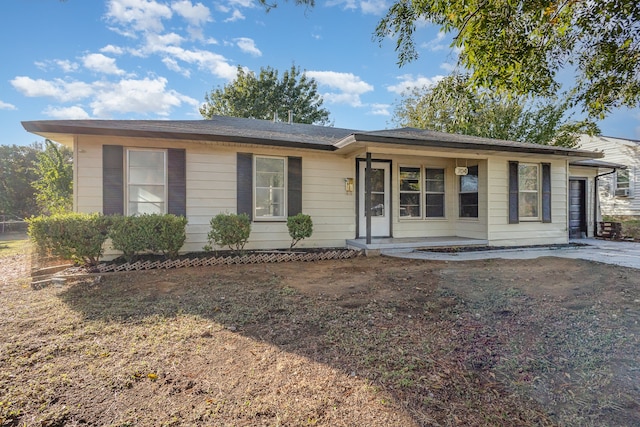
pixel 253 258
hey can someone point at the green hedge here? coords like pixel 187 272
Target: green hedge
pixel 133 235
pixel 80 237
pixel 73 236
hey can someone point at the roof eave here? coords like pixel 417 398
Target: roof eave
pixel 350 140
pixel 42 129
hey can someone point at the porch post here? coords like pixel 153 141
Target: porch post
pixel 367 197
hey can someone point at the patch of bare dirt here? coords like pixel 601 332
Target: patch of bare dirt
pixel 367 341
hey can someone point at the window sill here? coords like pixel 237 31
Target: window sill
pixel 274 219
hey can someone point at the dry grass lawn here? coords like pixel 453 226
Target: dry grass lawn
pixel 367 342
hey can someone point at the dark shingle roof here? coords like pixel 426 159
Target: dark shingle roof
pixel 296 135
pixel 219 128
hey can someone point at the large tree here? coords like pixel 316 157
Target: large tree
pixel 520 46
pixel 453 106
pixel 54 184
pixel 16 175
pixel 266 95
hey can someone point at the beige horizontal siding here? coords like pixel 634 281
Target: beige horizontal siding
pixel 500 232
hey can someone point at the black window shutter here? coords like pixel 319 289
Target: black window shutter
pixel 514 216
pixel 244 178
pixel 294 189
pixel 177 181
pixel 112 180
pixel 546 192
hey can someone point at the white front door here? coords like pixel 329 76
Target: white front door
pixel 380 200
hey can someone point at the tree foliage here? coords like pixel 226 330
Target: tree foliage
pixel 453 106
pixel 16 175
pixel 520 46
pixel 54 184
pixel 262 96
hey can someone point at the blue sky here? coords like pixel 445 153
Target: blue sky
pixel 156 59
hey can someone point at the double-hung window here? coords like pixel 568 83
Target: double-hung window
pixel 529 191
pixel 418 200
pixel 623 184
pixel 434 193
pixel 410 192
pixel 146 181
pixel 270 187
pixel 469 193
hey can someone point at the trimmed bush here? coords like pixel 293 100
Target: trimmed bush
pixel 152 233
pixel 229 230
pixel 73 236
pixel 300 227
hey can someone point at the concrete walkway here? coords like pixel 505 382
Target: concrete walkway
pixel 626 254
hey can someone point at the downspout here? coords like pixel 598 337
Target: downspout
pixel 367 197
pixel 596 200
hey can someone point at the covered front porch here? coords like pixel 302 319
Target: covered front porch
pixel 391 244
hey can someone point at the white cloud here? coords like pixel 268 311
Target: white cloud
pixel 448 67
pixel 7 106
pixel 114 50
pixel 436 44
pixel 247 4
pixel 137 15
pixel 67 113
pixel 214 63
pixel 374 7
pixel 247 45
pixel 173 65
pixel 146 96
pixel 158 43
pixel 102 64
pixel 141 96
pixel 59 89
pixel 65 65
pixel 349 86
pixel 408 82
pixel 235 16
pixel 195 15
pixel 380 110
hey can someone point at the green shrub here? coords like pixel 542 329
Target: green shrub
pixel 300 227
pixel 167 234
pixel 153 233
pixel 73 236
pixel 230 230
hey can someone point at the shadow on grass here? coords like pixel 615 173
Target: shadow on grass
pixel 424 343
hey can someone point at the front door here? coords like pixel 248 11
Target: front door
pixel 577 209
pixel 380 200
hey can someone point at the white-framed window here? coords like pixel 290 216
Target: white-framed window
pixel 434 192
pixel 468 196
pixel 410 192
pixel 270 184
pixel 622 183
pixel 146 181
pixel 422 191
pixel 529 191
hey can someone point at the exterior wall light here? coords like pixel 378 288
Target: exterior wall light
pixel 348 185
